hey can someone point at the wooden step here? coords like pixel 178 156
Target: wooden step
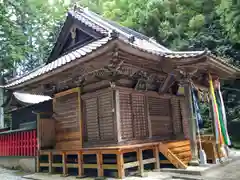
pixel 178 150
pixel 171 145
pixel 184 154
pixel 186 159
pixel 171 157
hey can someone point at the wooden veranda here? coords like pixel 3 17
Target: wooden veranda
pixel 117 158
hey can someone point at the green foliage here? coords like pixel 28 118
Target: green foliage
pixel 26 30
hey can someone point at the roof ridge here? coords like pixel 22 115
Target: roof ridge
pixel 92 16
pixel 25 74
pixel 60 61
pixel 108 24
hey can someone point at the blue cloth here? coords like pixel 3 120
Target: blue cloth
pixel 199 119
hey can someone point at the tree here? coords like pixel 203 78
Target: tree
pixel 28 31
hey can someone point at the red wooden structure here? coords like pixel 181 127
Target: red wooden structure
pixel 18 143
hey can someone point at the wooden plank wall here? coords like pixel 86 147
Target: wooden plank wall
pixel 67 116
pixel 160 116
pixel 133 116
pixel 177 116
pixel 99 118
pixel 148 115
pixel 45 133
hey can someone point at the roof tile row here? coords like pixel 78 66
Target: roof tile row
pixel 83 51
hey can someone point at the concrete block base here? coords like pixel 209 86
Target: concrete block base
pixel 26 164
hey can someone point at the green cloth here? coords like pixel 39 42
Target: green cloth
pixel 223 129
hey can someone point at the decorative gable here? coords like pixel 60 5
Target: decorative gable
pixel 74 34
pixel 75 38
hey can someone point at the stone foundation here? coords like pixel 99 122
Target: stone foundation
pixel 27 164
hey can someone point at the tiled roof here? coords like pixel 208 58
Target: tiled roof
pixel 106 28
pixel 100 24
pixel 88 22
pixel 78 53
pixel 140 41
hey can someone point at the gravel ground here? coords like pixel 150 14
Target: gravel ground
pixel 228 172
pixel 6 174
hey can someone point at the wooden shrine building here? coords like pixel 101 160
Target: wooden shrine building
pixel 115 102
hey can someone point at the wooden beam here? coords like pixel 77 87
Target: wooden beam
pixel 64 164
pixel 38 162
pixel 109 166
pixel 72 165
pixel 120 166
pixel 73 90
pixel 57 165
pixel 80 164
pixel 140 161
pixel 131 164
pixel 156 156
pixel 50 162
pixel 80 116
pixel 44 164
pixel 90 166
pixel 117 115
pixel 168 81
pixel 149 161
pixel 99 164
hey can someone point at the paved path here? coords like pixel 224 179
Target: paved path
pixel 227 172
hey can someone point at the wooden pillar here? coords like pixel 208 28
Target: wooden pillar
pixel 120 165
pixel 156 156
pixel 64 164
pixel 116 102
pixel 38 162
pixel 99 164
pixel 50 162
pixel 191 123
pixel 80 164
pixel 140 161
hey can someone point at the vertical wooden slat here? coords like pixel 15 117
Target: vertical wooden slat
pixel 99 164
pixel 140 160
pixel 156 156
pixel 148 117
pixel 50 162
pixel 80 164
pixel 120 165
pixel 171 113
pixel 133 116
